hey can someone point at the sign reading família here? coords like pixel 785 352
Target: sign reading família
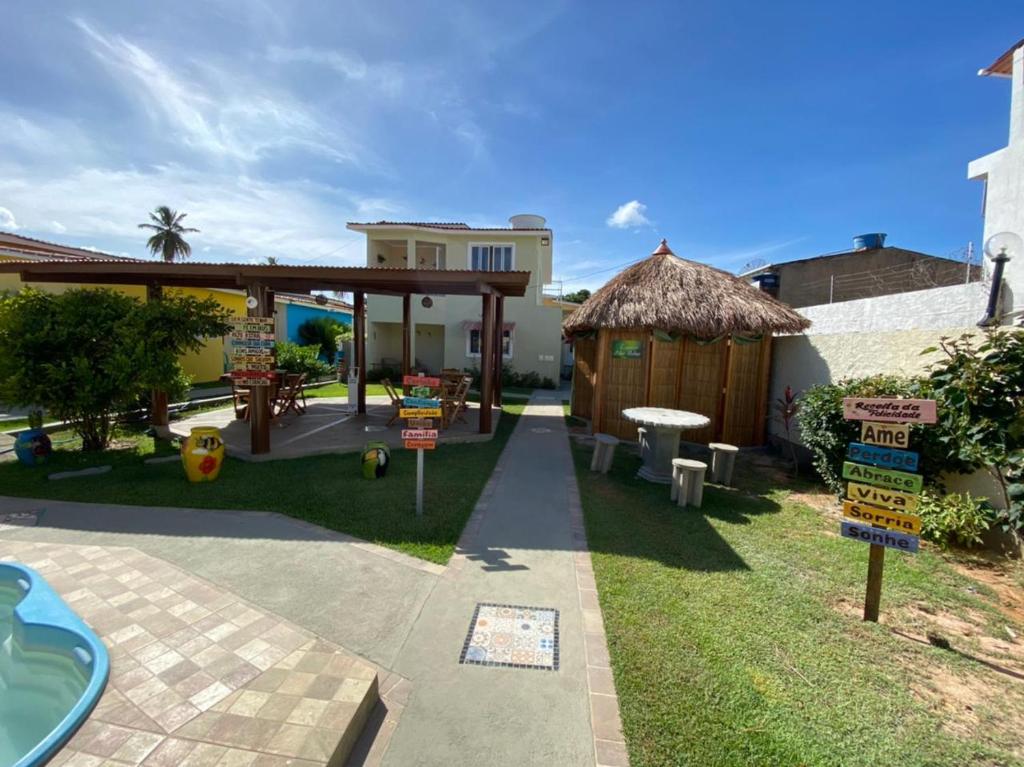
pixel 883 489
pixel 419 409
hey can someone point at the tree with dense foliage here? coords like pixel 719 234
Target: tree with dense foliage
pixel 578 297
pixel 325 333
pixel 169 241
pixel 87 355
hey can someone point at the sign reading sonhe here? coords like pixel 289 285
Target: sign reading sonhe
pixel 887 538
pixel 889 410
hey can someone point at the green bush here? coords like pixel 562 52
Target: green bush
pixel 824 431
pixel 86 355
pixel 302 359
pixel 954 519
pixel 324 333
pixel 510 377
pixel 379 373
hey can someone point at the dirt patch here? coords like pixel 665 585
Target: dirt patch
pixel 1003 577
pixel 820 501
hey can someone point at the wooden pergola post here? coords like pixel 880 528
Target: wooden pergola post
pixel 486 362
pixel 158 417
pixel 597 410
pixel 499 345
pixel 359 329
pixel 259 396
pixel 406 335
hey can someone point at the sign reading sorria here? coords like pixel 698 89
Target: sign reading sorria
pixel 889 410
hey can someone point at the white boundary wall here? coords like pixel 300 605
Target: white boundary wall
pixel 885 334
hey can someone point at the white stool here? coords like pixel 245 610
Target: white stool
pixel 641 437
pixel 689 482
pixel 604 452
pixel 723 459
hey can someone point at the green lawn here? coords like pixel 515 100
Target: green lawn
pixel 327 490
pixel 736 639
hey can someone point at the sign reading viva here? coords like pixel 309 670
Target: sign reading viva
pixel 889 410
pixel 876 496
pixel 873 475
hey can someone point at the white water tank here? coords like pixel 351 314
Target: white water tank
pixel 528 221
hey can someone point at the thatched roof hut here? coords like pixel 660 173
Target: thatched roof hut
pixel 673 333
pixel 672 294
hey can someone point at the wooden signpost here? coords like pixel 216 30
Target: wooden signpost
pixel 882 488
pixel 253 360
pixel 419 409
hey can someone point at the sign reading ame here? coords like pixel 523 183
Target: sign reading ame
pixel 421 402
pixel 872 475
pixel 627 349
pixel 888 538
pixel 889 410
pixel 885 434
pixel 872 515
pixel 419 433
pixel 434 383
pixel 420 444
pixel 876 496
pixel 419 412
pixel 882 456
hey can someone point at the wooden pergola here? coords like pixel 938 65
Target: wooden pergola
pixel 262 281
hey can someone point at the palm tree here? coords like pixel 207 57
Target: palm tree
pixel 168 240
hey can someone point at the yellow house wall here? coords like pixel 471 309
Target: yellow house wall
pixel 205 365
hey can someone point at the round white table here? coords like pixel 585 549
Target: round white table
pixel 662 442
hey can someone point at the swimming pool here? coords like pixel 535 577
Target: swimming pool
pixel 53 668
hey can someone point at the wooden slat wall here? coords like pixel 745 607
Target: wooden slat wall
pixel 584 353
pixel 701 385
pixel 623 385
pixel 668 357
pixel 743 397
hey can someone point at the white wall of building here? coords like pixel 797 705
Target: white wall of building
pixel 1003 174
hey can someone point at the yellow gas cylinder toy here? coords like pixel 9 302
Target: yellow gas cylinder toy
pixel 202 454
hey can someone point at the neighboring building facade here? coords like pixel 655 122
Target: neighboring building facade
pixel 446 329
pixel 870 269
pixel 1003 174
pixel 210 362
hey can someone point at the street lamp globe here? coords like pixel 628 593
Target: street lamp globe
pixel 1001 246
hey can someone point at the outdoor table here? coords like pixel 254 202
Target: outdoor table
pixel 662 444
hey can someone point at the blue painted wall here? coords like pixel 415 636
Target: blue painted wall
pixel 297 314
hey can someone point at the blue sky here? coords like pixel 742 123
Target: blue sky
pixel 738 130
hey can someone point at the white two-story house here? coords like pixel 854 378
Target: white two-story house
pixel 446 329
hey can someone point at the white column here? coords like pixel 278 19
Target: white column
pixel 410 253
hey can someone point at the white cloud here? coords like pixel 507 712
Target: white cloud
pixel 7 220
pixel 58 227
pixel 345 63
pixel 221 113
pixel 629 215
pixel 239 217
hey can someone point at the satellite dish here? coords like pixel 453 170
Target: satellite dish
pixel 756 263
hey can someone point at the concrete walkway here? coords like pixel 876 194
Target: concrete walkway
pixel 523 546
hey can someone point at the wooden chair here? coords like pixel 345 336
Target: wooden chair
pixel 240 399
pixel 291 395
pixel 396 401
pixel 453 402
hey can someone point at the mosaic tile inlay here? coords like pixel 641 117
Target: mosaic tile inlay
pixel 512 636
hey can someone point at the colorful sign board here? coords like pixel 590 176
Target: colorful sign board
pixel 882 456
pixel 890 539
pixel 242 378
pixel 888 478
pixel 419 433
pixel 893 410
pixel 887 518
pixel 252 350
pixel 885 434
pixel 627 349
pixel 251 324
pixel 421 402
pixel 420 423
pixel 419 391
pixel 876 496
pixel 420 444
pixel 419 412
pixel 434 383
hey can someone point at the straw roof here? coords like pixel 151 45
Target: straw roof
pixel 669 293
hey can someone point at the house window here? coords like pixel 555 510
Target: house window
pixel 473 343
pixel 492 258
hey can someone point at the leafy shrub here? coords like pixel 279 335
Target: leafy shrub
pixel 959 519
pixel 510 377
pixel 824 431
pixel 381 372
pixel 302 359
pixel 324 333
pixel 85 355
pixel 547 383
